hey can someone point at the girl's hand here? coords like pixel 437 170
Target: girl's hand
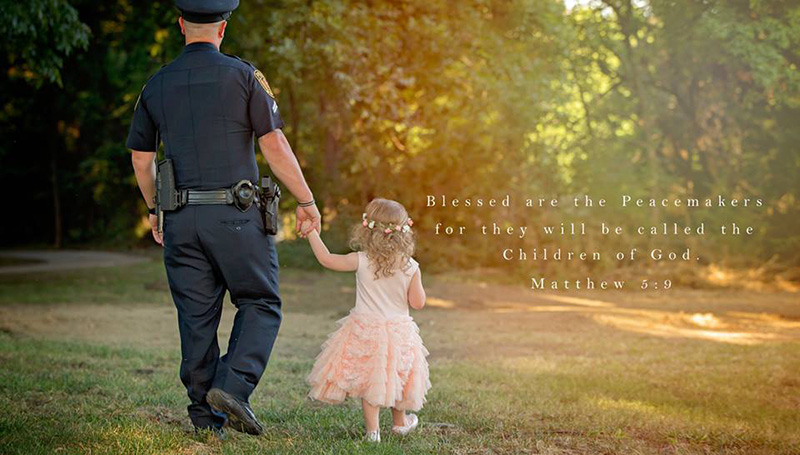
pixel 306 226
pixel 310 214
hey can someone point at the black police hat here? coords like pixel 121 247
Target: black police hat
pixel 206 11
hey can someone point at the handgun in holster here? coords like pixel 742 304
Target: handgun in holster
pixel 269 198
pixel 168 198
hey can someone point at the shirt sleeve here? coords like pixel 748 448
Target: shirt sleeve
pixel 264 114
pixel 143 135
pixel 412 267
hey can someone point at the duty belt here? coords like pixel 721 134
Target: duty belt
pixel 242 195
pixel 208 197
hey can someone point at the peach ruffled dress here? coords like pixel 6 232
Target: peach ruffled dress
pixel 377 353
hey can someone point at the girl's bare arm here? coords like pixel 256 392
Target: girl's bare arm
pixel 416 293
pixel 339 262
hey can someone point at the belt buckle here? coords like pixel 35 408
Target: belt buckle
pixel 244 194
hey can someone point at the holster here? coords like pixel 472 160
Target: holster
pixel 268 200
pixel 168 198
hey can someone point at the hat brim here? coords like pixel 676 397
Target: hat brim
pixel 205 18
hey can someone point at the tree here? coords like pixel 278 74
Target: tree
pixel 38 35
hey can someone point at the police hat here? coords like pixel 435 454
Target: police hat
pixel 206 11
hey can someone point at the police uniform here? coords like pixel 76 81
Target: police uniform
pixel 206 107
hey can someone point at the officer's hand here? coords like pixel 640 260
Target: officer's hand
pixel 157 236
pixel 306 226
pixel 310 214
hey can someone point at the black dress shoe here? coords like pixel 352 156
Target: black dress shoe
pixel 240 416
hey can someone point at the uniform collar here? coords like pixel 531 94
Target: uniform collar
pixel 199 46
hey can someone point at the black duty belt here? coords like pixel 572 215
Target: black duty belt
pixel 209 197
pixel 242 195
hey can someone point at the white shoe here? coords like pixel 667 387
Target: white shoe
pixel 373 436
pixel 411 424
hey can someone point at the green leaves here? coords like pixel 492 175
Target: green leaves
pixel 405 99
pixel 38 35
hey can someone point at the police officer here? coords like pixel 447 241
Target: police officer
pixel 206 107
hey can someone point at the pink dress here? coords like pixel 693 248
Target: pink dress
pixel 377 353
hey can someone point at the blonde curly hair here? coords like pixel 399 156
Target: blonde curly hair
pixel 387 248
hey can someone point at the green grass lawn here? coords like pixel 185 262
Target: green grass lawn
pixel 90 365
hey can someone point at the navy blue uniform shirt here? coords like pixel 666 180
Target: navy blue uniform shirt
pixel 206 107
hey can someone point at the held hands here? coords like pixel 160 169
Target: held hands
pixel 157 236
pixel 308 219
pixel 308 226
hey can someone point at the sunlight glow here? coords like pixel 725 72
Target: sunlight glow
pixel 439 303
pixel 705 320
pixel 143 228
pixel 625 405
pixel 578 301
pixel 652 326
pixel 740 328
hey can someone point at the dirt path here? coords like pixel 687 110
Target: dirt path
pixel 51 260
pixel 509 319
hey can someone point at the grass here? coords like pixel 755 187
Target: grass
pixel 90 359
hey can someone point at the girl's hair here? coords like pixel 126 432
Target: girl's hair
pixel 386 246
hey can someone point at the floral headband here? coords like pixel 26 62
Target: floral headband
pixel 387 228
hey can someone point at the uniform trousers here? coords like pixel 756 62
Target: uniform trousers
pixel 208 250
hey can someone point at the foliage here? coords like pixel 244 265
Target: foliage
pixel 38 35
pixel 406 99
pixel 698 100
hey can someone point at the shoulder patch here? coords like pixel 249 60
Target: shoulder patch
pixel 264 84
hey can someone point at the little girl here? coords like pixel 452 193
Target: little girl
pixel 377 353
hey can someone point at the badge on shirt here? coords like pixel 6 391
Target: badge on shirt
pixel 263 81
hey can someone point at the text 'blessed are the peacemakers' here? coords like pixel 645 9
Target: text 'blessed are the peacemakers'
pixel 574 229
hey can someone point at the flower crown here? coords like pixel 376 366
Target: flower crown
pixel 387 228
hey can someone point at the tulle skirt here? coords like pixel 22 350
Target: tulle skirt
pixel 379 359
